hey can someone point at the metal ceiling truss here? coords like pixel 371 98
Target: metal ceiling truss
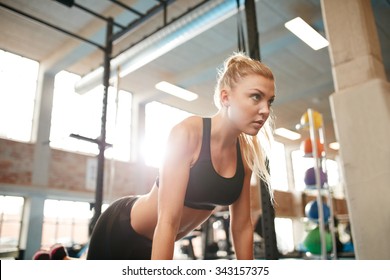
pixel 107 49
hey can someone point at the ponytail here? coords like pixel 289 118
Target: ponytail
pixel 256 152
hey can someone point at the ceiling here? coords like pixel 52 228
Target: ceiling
pixel 186 52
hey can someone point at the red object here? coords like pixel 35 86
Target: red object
pixel 307 149
pixel 41 255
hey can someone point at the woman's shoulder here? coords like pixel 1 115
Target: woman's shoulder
pixel 187 133
pixel 190 126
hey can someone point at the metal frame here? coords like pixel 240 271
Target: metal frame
pixel 253 43
pixel 268 211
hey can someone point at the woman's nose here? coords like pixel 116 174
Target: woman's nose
pixel 264 109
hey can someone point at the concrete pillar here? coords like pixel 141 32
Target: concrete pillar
pixel 41 129
pixel 137 146
pixel 361 113
pixel 32 229
pixel 137 130
pixel 31 233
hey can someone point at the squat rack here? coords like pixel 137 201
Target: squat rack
pixel 110 39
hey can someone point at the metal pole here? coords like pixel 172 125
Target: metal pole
pixel 253 34
pixel 102 139
pixel 317 167
pixel 74 35
pixel 268 224
pixel 268 211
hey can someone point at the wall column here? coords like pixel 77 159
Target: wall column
pixel 32 230
pixel 41 130
pixel 137 130
pixel 32 225
pixel 361 113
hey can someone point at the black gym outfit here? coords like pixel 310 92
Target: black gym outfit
pixel 114 238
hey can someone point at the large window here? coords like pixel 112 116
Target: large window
pixel 65 222
pixel 73 113
pixel 157 131
pixel 278 167
pixel 18 80
pixel 11 213
pixel 284 235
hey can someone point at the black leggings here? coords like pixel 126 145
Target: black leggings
pixel 113 238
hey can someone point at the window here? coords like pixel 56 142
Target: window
pixel 284 235
pixel 65 222
pixel 157 131
pixel 18 79
pixel 73 113
pixel 11 213
pixel 278 167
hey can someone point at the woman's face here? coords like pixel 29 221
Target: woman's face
pixel 250 102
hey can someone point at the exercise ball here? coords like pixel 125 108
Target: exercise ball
pixel 307 149
pixel 310 178
pixel 312 242
pixel 317 119
pixel 311 211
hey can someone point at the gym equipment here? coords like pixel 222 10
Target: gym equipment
pixel 58 252
pixel 311 211
pixel 312 242
pixel 188 249
pixel 41 255
pixel 317 118
pixel 212 246
pixel 310 178
pixel 307 149
pixel 322 239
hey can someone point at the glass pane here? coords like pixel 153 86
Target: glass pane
pixel 73 113
pixel 12 206
pixel 80 233
pixel 11 210
pixel 48 234
pixel 13 70
pixel 65 222
pixel 278 167
pixel 284 235
pixel 10 235
pixel 157 132
pixel 64 233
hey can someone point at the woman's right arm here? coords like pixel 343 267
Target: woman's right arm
pixel 173 181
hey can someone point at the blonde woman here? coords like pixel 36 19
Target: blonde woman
pixel 209 162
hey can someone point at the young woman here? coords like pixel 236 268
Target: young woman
pixel 209 162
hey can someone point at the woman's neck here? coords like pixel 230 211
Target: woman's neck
pixel 222 130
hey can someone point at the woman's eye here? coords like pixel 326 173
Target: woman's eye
pixel 256 97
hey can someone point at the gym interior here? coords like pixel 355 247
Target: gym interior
pixel 84 118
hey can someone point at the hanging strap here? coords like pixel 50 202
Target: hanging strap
pixel 240 30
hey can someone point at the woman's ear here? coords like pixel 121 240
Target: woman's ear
pixel 225 98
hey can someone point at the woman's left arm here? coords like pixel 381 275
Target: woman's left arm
pixel 241 223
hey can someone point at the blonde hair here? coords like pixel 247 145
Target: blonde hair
pixel 255 149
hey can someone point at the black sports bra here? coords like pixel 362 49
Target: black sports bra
pixel 206 188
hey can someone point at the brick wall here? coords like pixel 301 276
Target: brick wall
pixel 16 162
pixel 68 171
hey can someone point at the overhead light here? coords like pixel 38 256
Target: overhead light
pixel 306 33
pixel 286 133
pixel 176 91
pixel 334 146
